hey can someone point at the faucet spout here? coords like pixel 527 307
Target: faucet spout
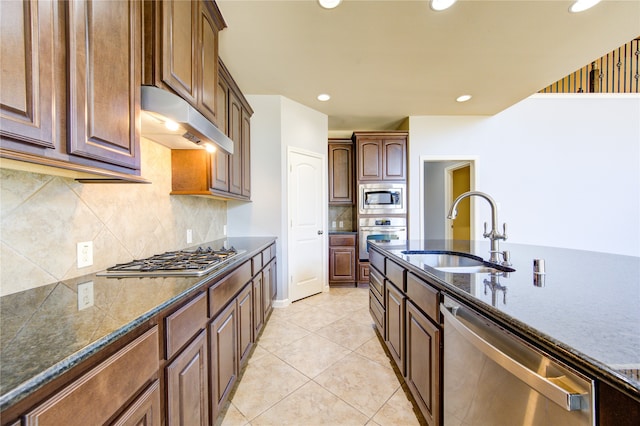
pixel 493 235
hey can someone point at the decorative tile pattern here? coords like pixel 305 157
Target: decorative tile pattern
pixel 43 218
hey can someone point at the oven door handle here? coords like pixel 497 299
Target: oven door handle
pixel 552 388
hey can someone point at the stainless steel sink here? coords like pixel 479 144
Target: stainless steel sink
pixel 453 262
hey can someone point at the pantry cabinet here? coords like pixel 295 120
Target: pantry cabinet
pixel 70 97
pixel 341 172
pixel 381 156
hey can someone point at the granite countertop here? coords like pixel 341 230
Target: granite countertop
pixel 587 308
pixel 43 334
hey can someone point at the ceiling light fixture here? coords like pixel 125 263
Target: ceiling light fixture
pixel 171 125
pixel 582 5
pixel 323 97
pixel 439 5
pixel 329 4
pixel 463 98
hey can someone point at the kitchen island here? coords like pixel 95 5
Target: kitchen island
pixel 49 343
pixel 584 311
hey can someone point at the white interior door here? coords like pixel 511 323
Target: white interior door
pixel 307 254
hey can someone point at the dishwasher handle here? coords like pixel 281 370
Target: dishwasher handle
pixel 551 387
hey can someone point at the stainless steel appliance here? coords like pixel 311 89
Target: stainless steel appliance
pixel 491 377
pixel 382 198
pixel 379 229
pixel 186 263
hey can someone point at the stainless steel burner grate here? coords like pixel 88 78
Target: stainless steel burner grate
pixel 200 261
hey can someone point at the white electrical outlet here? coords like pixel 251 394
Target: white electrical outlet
pixel 85 295
pixel 341 224
pixel 224 229
pixel 85 254
pixel 189 236
pixel 333 224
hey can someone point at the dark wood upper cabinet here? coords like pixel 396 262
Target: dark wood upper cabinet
pixel 189 51
pixel 104 81
pixel 27 98
pixel 381 156
pixel 71 76
pixel 341 171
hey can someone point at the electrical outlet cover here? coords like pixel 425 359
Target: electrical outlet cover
pixel 85 295
pixel 85 254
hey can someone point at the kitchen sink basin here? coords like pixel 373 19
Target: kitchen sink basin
pixel 457 263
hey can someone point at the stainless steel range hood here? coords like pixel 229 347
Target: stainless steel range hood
pixel 158 106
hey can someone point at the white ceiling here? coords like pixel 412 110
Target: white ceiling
pixel 382 61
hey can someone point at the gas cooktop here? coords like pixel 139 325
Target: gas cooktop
pixel 186 263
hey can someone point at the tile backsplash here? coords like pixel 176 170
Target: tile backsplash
pixel 43 217
pixel 341 215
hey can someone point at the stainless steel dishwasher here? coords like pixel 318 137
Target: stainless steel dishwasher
pixel 493 378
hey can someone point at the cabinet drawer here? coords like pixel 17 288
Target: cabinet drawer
pixel 376 284
pixel 377 313
pixel 377 260
pixel 266 255
pixel 225 290
pixel 424 296
pixel 184 323
pixel 99 394
pixel 342 240
pixel 396 273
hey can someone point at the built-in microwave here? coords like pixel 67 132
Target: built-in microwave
pixel 382 198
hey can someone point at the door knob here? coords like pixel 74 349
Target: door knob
pixel 320 232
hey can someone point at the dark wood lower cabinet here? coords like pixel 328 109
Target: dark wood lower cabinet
pixel 145 411
pixel 395 313
pixel 224 356
pixel 267 290
pixel 258 317
pixel 245 323
pixel 187 385
pixel 423 374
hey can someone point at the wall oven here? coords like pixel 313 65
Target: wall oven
pixel 379 229
pixel 382 198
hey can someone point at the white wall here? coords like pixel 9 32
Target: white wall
pixel 565 169
pixel 277 124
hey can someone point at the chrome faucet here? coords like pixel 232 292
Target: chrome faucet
pixel 493 235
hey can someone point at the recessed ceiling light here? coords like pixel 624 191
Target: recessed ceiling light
pixel 463 98
pixel 441 4
pixel 171 125
pixel 323 97
pixel 329 4
pixel 582 5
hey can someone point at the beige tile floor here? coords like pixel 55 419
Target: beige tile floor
pixel 320 362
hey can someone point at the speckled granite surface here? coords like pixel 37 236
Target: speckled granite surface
pixel 43 334
pixel 586 310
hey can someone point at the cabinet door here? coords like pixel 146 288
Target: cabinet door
pixel 340 174
pixel 395 307
pixel 145 411
pixel 220 160
pixel 187 386
pixel 246 153
pixel 208 71
pixel 104 81
pixel 235 133
pixel 423 363
pixel 258 314
pixel 245 322
pixel 394 155
pixel 342 264
pixel 369 159
pixel 267 303
pixel 27 97
pixel 224 356
pixel 179 47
